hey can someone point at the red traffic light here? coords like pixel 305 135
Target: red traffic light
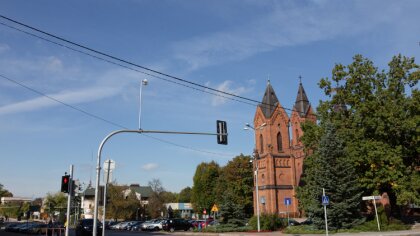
pixel 65 179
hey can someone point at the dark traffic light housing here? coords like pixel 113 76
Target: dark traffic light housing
pixel 222 132
pixel 65 181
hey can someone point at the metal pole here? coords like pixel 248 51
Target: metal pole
pixel 98 163
pixel 143 82
pixel 105 188
pixel 288 219
pixel 70 190
pixel 376 212
pixel 258 196
pixel 325 213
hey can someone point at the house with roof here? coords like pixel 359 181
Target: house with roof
pixel 142 193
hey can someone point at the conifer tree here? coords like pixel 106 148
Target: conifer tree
pixel 330 169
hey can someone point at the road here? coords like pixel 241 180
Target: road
pixel 108 233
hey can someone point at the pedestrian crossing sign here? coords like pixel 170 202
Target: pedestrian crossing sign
pixel 325 200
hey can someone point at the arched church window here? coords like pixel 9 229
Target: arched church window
pixel 297 135
pixel 261 144
pixel 279 142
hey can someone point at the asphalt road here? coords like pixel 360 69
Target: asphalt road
pixel 108 233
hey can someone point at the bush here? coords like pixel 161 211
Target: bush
pixel 223 228
pixel 268 222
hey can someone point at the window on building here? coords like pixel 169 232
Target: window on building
pixel 261 144
pixel 297 135
pixel 279 142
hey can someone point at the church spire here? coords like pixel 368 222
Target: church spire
pixel 302 103
pixel 269 102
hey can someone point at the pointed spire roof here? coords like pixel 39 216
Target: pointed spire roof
pixel 302 104
pixel 269 102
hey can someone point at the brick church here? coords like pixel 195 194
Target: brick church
pixel 279 153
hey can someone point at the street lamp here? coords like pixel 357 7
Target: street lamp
pixel 143 82
pixel 254 155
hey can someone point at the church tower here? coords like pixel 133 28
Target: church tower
pixel 279 157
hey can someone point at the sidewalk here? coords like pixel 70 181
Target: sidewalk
pixel 415 231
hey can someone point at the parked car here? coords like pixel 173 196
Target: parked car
pixel 9 227
pixel 135 226
pixel 155 225
pixel 84 227
pixel 177 224
pixel 151 225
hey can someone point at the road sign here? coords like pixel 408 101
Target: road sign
pixel 371 198
pixel 325 200
pixel 215 208
pixel 287 201
pixel 204 211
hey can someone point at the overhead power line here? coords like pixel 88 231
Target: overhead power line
pixel 103 119
pixel 201 88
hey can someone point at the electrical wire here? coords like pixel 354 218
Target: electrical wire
pixel 105 120
pixel 203 87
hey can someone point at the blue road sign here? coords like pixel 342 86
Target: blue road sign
pixel 325 200
pixel 287 201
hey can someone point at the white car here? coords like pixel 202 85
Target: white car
pixel 152 225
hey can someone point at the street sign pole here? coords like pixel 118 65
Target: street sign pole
pixel 374 198
pixel 70 191
pixel 376 212
pixel 325 213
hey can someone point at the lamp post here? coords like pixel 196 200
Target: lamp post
pixel 254 155
pixel 143 82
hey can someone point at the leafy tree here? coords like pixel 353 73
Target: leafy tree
pixel 205 179
pixel 122 204
pixel 329 168
pixel 185 195
pixel 377 114
pixel 156 202
pixel 56 202
pixel 237 177
pixel 4 192
pixel 169 197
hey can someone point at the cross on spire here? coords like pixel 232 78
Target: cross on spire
pixel 300 79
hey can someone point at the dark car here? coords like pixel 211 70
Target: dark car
pixel 85 227
pixel 177 224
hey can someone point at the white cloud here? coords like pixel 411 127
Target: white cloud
pixel 226 86
pixel 69 97
pixel 288 24
pixel 150 166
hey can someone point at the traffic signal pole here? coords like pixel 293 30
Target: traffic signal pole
pixel 70 191
pixel 222 132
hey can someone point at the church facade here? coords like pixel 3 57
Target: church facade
pixel 279 153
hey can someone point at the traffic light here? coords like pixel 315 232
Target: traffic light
pixel 65 181
pixel 222 132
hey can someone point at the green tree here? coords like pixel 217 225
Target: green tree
pixel 237 177
pixel 376 114
pixel 329 168
pixel 204 182
pixel 156 206
pixel 380 123
pixel 122 203
pixel 56 202
pixel 231 210
pixel 4 192
pixel 185 195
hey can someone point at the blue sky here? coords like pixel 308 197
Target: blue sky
pixel 234 46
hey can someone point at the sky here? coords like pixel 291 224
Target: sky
pixel 63 103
